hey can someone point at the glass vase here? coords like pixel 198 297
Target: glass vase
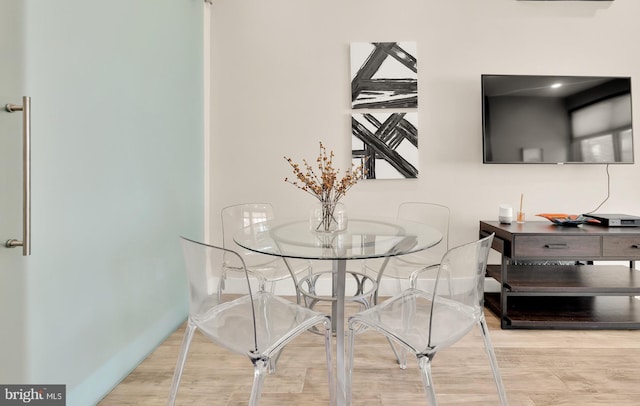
pixel 328 218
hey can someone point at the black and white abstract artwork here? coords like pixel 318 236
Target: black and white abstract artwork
pixel 386 144
pixel 384 75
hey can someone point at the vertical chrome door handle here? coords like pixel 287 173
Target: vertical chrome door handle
pixel 26 176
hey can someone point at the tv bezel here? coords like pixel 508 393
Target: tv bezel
pixel 547 76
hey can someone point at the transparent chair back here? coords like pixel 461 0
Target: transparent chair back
pixel 408 267
pixel 237 217
pixel 434 215
pixel 252 217
pixel 458 297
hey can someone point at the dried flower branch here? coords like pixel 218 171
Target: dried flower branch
pixel 324 185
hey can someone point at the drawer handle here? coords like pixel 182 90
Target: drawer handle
pixel 556 246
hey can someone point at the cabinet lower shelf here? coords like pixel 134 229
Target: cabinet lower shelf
pixel 565 280
pixel 568 312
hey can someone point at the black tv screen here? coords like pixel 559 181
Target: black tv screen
pixel 556 119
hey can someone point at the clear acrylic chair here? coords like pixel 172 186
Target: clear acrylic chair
pixel 254 323
pixel 267 268
pixel 405 267
pixel 424 323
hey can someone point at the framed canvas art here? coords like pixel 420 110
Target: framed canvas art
pixel 386 144
pixel 384 75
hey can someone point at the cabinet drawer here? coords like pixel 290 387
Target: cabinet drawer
pixel 621 246
pixel 550 247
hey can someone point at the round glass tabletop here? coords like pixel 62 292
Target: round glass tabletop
pixel 363 238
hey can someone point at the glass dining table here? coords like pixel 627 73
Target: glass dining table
pixel 362 239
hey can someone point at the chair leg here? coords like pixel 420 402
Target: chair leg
pixel 407 313
pixel 424 362
pixel 349 376
pixel 328 336
pixel 182 358
pixel 493 361
pixel 273 361
pixel 400 354
pixel 259 373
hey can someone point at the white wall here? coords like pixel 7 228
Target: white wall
pixel 281 83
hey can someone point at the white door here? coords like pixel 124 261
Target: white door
pixel 12 309
pixel 116 176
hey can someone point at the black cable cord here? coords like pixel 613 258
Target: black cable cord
pixel 608 191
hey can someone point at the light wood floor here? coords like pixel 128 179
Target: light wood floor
pixel 539 367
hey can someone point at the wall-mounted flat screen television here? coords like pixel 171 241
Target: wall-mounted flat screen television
pixel 556 119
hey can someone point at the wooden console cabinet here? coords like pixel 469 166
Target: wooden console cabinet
pixel 542 286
